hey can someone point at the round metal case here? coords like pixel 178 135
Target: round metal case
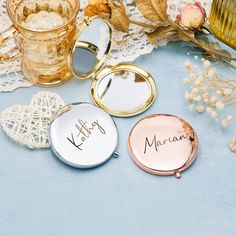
pixel 123 90
pixel 163 144
pixel 115 88
pixel 83 135
pixel 90 48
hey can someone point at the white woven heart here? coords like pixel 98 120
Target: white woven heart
pixel 28 125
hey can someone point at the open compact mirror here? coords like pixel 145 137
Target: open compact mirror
pixel 121 90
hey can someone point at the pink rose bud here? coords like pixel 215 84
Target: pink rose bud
pixel 192 16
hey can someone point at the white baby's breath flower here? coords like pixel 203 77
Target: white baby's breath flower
pixel 214 114
pixel 193 76
pixel 200 108
pixel 188 66
pixel 189 79
pixel 202 88
pixel 191 107
pixel 206 97
pixel 232 145
pixel 195 57
pixel 220 105
pixel 213 100
pixel 198 80
pixel 195 90
pixel 210 92
pixel 218 92
pixel 213 83
pixel 224 123
pixel 186 80
pixel 206 65
pixel 229 118
pixel 209 109
pixel 226 91
pixel 189 96
pixel 211 73
pixel 197 98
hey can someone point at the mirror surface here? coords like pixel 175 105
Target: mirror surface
pixel 91 47
pixel 84 60
pixel 124 93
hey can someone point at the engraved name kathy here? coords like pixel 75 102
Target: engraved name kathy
pixel 154 143
pixel 84 132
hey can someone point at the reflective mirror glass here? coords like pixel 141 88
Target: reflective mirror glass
pixel 124 93
pixel 91 47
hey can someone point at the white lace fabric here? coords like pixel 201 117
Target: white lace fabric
pixel 126 47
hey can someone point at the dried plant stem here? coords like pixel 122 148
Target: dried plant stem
pixel 222 87
pixel 193 40
pixel 143 24
pixel 232 86
pixel 230 101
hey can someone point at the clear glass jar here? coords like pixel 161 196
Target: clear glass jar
pixel 45 44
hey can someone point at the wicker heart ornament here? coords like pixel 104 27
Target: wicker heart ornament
pixel 28 125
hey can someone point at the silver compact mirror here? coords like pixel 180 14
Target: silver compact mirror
pixel 83 135
pixel 121 90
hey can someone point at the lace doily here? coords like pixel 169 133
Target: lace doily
pixel 28 125
pixel 126 48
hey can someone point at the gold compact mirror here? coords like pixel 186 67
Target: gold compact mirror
pixel 121 90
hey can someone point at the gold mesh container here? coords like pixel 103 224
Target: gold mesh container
pixel 223 21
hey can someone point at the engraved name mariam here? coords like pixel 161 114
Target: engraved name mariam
pixel 154 143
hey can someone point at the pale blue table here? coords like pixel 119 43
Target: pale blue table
pixel 40 196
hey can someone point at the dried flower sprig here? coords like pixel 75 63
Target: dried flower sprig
pixel 211 92
pixel 188 23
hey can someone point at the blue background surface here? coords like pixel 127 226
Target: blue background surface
pixel 39 195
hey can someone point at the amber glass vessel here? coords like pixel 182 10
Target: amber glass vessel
pixel 223 21
pixel 45 46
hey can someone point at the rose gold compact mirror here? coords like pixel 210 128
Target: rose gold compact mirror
pixel 163 144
